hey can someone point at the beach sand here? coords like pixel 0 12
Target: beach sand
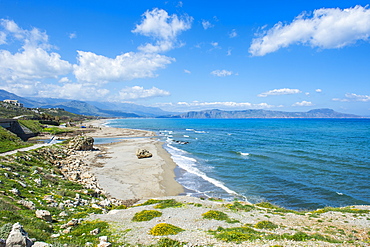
pixel 122 175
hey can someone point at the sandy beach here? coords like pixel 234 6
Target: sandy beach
pixel 122 175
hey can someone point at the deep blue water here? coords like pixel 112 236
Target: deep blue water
pixel 294 163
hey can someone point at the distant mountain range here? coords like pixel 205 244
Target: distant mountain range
pixel 90 108
pixel 317 113
pixel 127 110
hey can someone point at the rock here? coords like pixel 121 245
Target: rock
pixel 81 143
pixel 57 235
pixel 44 214
pixel 15 191
pixel 38 181
pixel 63 214
pixel 28 204
pixel 96 231
pixel 143 153
pixel 2 242
pixel 18 237
pixel 104 242
pixel 41 244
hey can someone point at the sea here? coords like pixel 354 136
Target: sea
pixel 299 164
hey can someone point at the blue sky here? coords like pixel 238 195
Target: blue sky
pixel 190 55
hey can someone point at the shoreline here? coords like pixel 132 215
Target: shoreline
pixel 122 175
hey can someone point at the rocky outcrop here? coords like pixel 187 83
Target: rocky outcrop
pixel 44 214
pixel 81 143
pixel 143 153
pixel 18 237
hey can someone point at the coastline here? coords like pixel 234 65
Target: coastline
pixel 122 175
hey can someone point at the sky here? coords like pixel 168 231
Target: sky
pixel 190 54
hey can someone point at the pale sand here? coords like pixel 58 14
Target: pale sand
pixel 124 176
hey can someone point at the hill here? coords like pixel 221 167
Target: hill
pixel 316 113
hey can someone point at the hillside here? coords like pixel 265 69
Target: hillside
pixel 317 113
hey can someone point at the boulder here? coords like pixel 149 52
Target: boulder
pixel 44 214
pixel 41 244
pixel 104 242
pixel 143 153
pixel 18 237
pixel 81 143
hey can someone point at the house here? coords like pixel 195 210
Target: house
pixel 13 102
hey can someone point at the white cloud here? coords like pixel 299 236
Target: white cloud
pixel 163 28
pixel 281 91
pixel 187 71
pixel 221 73
pixel 228 52
pixel 100 69
pixel 354 97
pixel 137 92
pixel 214 44
pixel 33 61
pixel 2 38
pixel 233 33
pixel 327 28
pixel 303 103
pixel 206 24
pixel 318 90
pixel 72 35
pixel 228 105
pixel 64 80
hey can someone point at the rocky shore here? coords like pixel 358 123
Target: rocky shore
pixel 83 194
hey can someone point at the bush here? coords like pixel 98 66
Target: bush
pixel 163 229
pixel 170 203
pixel 146 215
pixel 217 215
pixel 238 206
pixel 5 230
pixel 265 225
pixel 167 242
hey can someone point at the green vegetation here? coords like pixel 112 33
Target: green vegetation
pixel 237 206
pixel 342 210
pixel 33 125
pixel 171 203
pixel 275 208
pixel 56 130
pixel 163 229
pixel 167 242
pixel 9 141
pixel 217 215
pixel 265 225
pixel 241 234
pixel 146 215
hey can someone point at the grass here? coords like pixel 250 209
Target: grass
pixel 265 225
pixel 237 206
pixel 33 125
pixel 56 130
pixel 146 215
pixel 161 204
pixel 9 141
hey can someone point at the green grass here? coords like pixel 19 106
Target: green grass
pixel 265 225
pixel 56 130
pixel 342 210
pixel 33 125
pixel 9 141
pixel 237 206
pixel 161 204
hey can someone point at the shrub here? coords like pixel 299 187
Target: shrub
pixel 217 215
pixel 163 229
pixel 265 225
pixel 167 242
pixel 5 230
pixel 170 203
pixel 146 215
pixel 236 234
pixel 238 206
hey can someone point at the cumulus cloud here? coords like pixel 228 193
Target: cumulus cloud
pixel 163 28
pixel 72 35
pixel 100 69
pixel 34 60
pixel 327 28
pixel 303 103
pixel 281 91
pixel 353 97
pixel 233 33
pixel 318 90
pixel 221 73
pixel 137 92
pixel 206 24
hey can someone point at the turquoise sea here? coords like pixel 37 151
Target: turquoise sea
pixel 294 163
